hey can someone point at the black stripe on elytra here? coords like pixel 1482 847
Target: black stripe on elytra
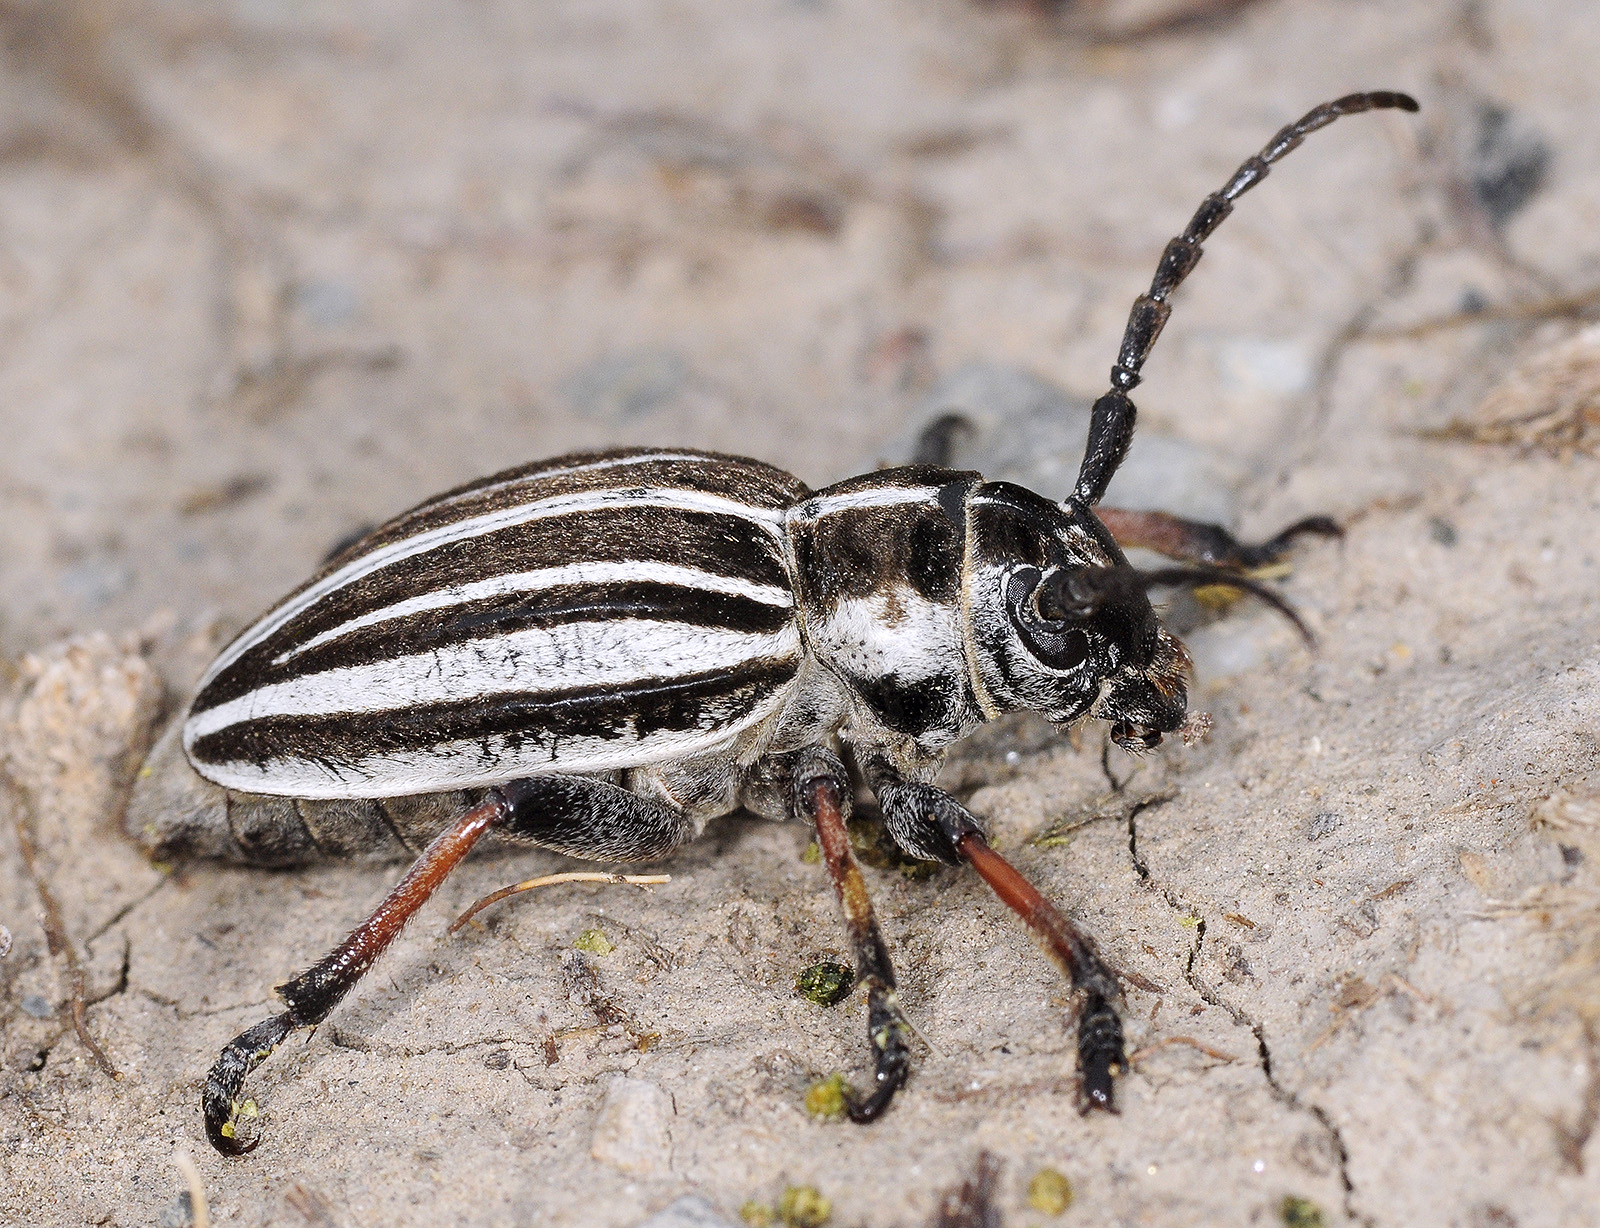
pixel 631 712
pixel 488 617
pixel 761 486
pixel 714 542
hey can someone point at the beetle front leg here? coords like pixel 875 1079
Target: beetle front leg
pixel 1195 541
pixel 927 822
pixel 821 795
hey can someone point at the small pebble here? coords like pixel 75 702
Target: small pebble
pixel 179 1215
pixel 631 1133
pixel 36 1007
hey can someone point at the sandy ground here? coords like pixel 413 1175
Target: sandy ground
pixel 272 272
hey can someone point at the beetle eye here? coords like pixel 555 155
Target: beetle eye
pixel 1063 650
pixel 1055 643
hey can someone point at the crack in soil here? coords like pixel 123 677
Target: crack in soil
pixel 1285 1096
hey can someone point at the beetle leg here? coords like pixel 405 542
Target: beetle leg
pixel 923 817
pixel 821 795
pixel 1100 1050
pixel 1194 541
pixel 570 814
pixel 315 992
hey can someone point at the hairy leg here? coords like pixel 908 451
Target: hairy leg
pixel 927 822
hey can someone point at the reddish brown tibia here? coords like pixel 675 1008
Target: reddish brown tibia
pixel 833 839
pixel 1100 1045
pixel 886 1026
pixel 1070 949
pixel 315 992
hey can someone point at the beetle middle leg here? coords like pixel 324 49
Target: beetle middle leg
pixel 821 795
pixel 927 822
pixel 569 814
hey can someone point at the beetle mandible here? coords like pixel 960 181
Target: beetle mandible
pixel 599 653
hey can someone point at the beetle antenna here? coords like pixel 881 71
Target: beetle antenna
pixel 1111 421
pixel 1201 577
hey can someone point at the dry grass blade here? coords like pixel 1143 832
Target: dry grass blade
pixel 55 929
pixel 198 1206
pixel 550 880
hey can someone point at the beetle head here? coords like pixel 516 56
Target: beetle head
pixel 1062 624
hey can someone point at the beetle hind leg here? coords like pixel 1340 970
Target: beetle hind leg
pixel 570 814
pixel 313 994
pixel 821 795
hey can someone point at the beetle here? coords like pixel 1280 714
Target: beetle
pixel 597 654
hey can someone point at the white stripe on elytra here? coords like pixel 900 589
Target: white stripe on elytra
pixel 524 582
pixel 477 526
pixel 540 660
pixel 594 466
pixel 482 761
pixel 819 506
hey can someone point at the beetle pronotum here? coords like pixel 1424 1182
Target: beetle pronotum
pixel 599 653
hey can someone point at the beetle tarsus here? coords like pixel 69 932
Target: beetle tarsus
pixel 891 1046
pixel 1100 1045
pixel 1101 1056
pixel 221 1101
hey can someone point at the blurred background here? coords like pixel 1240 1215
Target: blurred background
pixel 274 270
pixel 270 272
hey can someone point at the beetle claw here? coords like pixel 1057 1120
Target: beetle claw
pixel 891 1046
pixel 220 1100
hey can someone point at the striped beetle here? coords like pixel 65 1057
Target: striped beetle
pixel 599 653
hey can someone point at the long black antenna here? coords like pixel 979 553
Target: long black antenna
pixel 1111 421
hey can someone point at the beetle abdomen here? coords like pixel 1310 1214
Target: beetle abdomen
pixel 584 614
pixel 175 815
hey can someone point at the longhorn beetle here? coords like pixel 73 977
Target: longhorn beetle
pixel 599 653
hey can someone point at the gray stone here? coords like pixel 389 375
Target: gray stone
pixel 1029 431
pixel 690 1211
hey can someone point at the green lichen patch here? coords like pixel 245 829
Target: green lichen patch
pixel 1300 1212
pixel 594 942
pixel 825 1099
pixel 1049 1191
pixel 826 982
pixel 800 1206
